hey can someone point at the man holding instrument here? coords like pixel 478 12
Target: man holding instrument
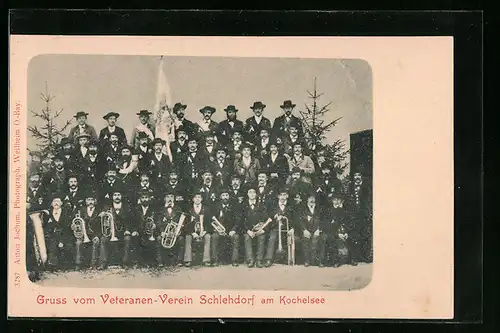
pixel 171 213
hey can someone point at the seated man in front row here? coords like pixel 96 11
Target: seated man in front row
pixel 198 229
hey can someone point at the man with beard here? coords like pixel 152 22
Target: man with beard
pixel 234 147
pixel 67 150
pixel 89 167
pixel 281 124
pixel 58 233
pixel 108 186
pixel 125 231
pixel 159 163
pixel 360 209
pixel 147 220
pixel 89 213
pixel 292 138
pixel 82 127
pixel 262 147
pixel 221 167
pixel 297 187
pixel 207 189
pixel 111 128
pixel 75 196
pixel 247 166
pixel 264 191
pixel 36 192
pixel 57 178
pixel 191 164
pixel 310 219
pixel 227 214
pixel 236 190
pixel 171 213
pixel 254 213
pixel 326 184
pixel 190 128
pixel 175 187
pixel 226 127
pixel 334 237
pixel 198 229
pixel 209 147
pixel 145 126
pixel 276 165
pixel 206 125
pixel 255 124
pixel 277 211
pixel 302 161
pixel 179 146
pixel 127 166
pixel 109 153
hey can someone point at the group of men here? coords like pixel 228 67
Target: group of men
pixel 257 179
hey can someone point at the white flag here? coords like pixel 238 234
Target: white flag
pixel 162 110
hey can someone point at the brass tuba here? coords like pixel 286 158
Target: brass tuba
pixel 150 226
pixel 171 232
pixel 221 230
pixel 108 225
pixel 39 237
pixel 79 229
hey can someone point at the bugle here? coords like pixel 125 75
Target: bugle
pixel 39 237
pixel 221 230
pixel 171 232
pixel 150 227
pixel 108 225
pixel 259 227
pixel 79 228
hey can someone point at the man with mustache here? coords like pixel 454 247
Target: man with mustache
pixel 58 233
pixel 264 191
pixel 82 127
pixel 179 111
pixel 310 220
pixel 276 165
pixel 171 212
pixel 207 189
pixel 206 124
pixel 262 147
pixel 192 164
pixel 210 147
pixel 236 190
pixel 297 187
pixel 235 146
pixel 112 128
pixel 81 152
pixel 89 166
pixel 255 124
pixel 35 201
pixel 175 187
pixel 67 150
pixel 110 153
pixel 281 124
pixel 57 178
pixel 292 138
pixel 247 166
pixel 143 151
pixel 221 167
pixel 36 191
pixel 159 163
pixel 87 254
pixel 145 126
pixel 108 185
pixel 148 233
pixel 179 146
pixel 75 195
pixel 126 166
pixel 303 162
pixel 327 183
pixel 226 127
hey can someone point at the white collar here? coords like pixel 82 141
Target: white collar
pixel 257 118
pixel 111 129
pixel 117 205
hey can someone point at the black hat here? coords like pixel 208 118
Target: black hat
pixel 35 170
pixel 90 193
pixel 210 109
pixel 110 114
pixel 235 176
pixel 337 195
pixel 195 137
pixel 110 169
pixel 93 143
pixel 258 105
pixel 273 140
pixel 144 113
pixel 57 195
pixel 181 128
pixel 179 106
pixel 294 123
pixel 81 114
pixel 224 190
pixel 262 170
pixel 142 135
pixel 157 140
pixel 146 192
pixel 246 145
pixel 126 146
pixel 287 104
pixel 59 156
pixel 196 191
pixel 221 148
pixel 65 140
pixel 296 169
pixel 283 189
pixel 231 108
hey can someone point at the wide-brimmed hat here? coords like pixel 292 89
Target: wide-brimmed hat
pixel 179 106
pixel 231 108
pixel 81 114
pixel 142 135
pixel 83 135
pixel 65 140
pixel 110 114
pixel 144 113
pixel 91 193
pixel 210 109
pixel 258 105
pixel 93 143
pixel 126 146
pixel 59 156
pixel 157 140
pixel 287 104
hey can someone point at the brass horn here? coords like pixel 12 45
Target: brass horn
pixel 79 228
pixel 171 232
pixel 108 225
pixel 150 226
pixel 39 238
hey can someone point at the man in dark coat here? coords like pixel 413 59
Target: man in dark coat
pixel 276 164
pixel 105 133
pixel 159 163
pixel 87 253
pixel 145 126
pixel 281 124
pixel 256 123
pixel 82 127
pixel 179 146
pixel 206 125
pixel 179 111
pixel 221 167
pixel 226 127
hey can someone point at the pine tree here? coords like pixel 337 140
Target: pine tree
pixel 49 134
pixel 316 128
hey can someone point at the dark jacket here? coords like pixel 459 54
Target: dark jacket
pixel 225 131
pixel 104 135
pixel 251 130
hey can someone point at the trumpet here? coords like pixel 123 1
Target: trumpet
pixel 150 226
pixel 39 238
pixel 171 232
pixel 221 230
pixel 108 225
pixel 259 227
pixel 79 228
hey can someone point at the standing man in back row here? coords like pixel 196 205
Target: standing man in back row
pixel 282 123
pixel 256 123
pixel 106 132
pixel 82 127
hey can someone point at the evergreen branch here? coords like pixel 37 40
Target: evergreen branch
pixel 36 133
pixel 331 124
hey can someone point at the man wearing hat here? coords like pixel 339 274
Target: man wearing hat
pixel 291 138
pixel 34 159
pixel 82 141
pixel 110 151
pixel 227 214
pixel 247 166
pixel 36 191
pixel 170 212
pixel 145 212
pixel 276 165
pixel 87 254
pixel 256 123
pixel 175 187
pixel 238 193
pixel 158 163
pixel 297 187
pixel 326 183
pixel 82 127
pixel 221 167
pixel 191 164
pixel 209 146
pixel 299 160
pixel 282 123
pixel 108 185
pixel 206 124
pixel 111 128
pixel 309 219
pixel 262 146
pixel 264 190
pixel 145 126
pixel 179 145
pixel 226 127
pixel 143 151
pixel 89 166
pixel 67 149
pixel 207 188
pixel 57 177
pixel 179 111
pixel 234 147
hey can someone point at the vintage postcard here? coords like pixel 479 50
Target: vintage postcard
pixel 243 177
